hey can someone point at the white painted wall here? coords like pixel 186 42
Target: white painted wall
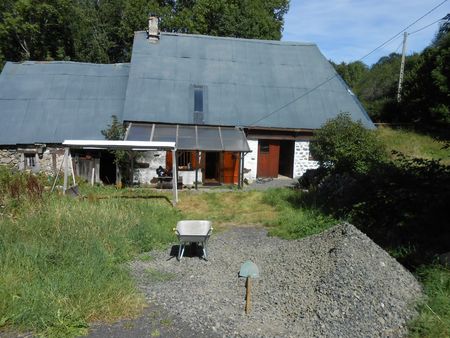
pixel 154 159
pixel 301 161
pixel 251 161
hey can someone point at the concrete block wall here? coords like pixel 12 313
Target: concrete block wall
pixel 251 161
pixel 301 159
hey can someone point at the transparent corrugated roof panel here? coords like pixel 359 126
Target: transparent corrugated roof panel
pixel 234 140
pixel 186 138
pixel 165 133
pixel 139 132
pixel 209 139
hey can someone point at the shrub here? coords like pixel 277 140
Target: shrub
pixel 17 187
pixel 312 178
pixel 345 146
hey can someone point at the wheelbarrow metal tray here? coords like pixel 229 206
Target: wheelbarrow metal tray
pixel 193 230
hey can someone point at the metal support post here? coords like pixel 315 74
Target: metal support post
pixel 174 176
pixel 196 169
pixel 66 168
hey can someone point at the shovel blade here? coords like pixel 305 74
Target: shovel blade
pixel 249 269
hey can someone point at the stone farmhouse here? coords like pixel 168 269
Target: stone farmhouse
pixel 236 108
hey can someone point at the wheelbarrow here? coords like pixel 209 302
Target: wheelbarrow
pixel 193 231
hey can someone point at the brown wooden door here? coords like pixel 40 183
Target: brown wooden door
pixel 268 158
pixel 230 169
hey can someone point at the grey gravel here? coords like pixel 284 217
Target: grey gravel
pixel 335 284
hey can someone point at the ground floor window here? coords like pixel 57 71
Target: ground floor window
pixel 30 160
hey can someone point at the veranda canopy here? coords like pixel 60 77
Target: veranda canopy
pixel 124 145
pixel 190 137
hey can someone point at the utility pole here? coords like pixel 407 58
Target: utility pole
pixel 402 68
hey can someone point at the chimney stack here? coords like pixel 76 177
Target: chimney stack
pixel 153 29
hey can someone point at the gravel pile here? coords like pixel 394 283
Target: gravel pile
pixel 336 284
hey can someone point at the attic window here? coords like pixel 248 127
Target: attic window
pixel 198 99
pixel 199 104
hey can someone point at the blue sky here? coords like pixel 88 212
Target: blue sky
pixel 346 30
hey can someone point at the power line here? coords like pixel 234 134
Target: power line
pixel 421 29
pixel 335 75
pixel 396 50
pixel 403 30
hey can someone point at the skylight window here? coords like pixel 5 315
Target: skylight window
pixel 199 93
pixel 198 99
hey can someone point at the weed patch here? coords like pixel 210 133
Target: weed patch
pixel 62 260
pixel 434 317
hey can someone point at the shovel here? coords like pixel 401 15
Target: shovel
pixel 248 270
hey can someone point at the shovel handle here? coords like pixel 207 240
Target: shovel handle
pixel 247 295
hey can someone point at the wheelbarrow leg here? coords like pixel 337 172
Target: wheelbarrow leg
pixel 204 251
pixel 181 251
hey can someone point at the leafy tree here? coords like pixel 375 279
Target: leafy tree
pixel 352 73
pixel 31 29
pixel 345 146
pixel 444 28
pixel 376 87
pixel 124 159
pixel 103 31
pixel 426 93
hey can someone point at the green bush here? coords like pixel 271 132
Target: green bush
pixel 345 146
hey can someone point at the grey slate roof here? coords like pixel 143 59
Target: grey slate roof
pixel 48 102
pixel 245 80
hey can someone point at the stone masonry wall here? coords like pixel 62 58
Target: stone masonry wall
pixel 301 159
pixel 9 157
pixel 48 162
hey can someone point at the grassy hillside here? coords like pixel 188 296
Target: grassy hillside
pixel 414 144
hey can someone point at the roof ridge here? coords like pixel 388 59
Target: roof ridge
pixel 202 36
pixel 36 62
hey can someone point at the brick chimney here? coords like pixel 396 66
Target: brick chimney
pixel 153 29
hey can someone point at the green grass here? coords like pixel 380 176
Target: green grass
pixel 434 312
pixel 294 220
pixel 227 208
pixel 62 259
pixel 414 144
pixel 158 276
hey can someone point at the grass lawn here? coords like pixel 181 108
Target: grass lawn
pixel 63 260
pixel 414 144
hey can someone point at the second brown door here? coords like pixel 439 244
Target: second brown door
pixel 268 158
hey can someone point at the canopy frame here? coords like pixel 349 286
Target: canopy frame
pixel 124 145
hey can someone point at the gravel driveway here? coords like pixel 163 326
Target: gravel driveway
pixel 336 284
